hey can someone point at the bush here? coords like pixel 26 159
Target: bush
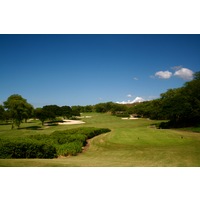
pixel 26 149
pixel 71 148
pixel 122 115
pixel 68 142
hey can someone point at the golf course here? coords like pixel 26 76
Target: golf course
pixel 130 143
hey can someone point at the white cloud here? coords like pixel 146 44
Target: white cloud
pixel 180 72
pixel 137 99
pixel 135 78
pixel 129 95
pixel 163 74
pixel 184 73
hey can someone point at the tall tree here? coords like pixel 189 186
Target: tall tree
pixel 66 111
pixel 41 114
pixel 182 105
pixel 2 111
pixel 76 110
pixel 18 107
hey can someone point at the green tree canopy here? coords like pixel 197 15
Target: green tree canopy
pixel 41 114
pixel 19 109
pixel 2 111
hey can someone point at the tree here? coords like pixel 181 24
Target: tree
pixel 41 114
pixel 28 112
pixel 87 108
pixel 117 108
pixel 66 111
pixel 182 105
pixel 197 76
pixel 19 109
pixel 172 104
pixel 53 111
pixel 76 110
pixel 2 111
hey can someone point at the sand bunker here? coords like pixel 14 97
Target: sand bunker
pixel 69 122
pixel 82 117
pixel 129 118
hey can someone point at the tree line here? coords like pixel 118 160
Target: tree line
pixel 180 106
pixel 16 109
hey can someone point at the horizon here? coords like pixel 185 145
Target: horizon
pixel 86 69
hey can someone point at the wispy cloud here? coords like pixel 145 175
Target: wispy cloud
pixel 163 74
pixel 184 73
pixel 129 95
pixel 151 76
pixel 175 68
pixel 135 78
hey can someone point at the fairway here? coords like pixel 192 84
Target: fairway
pixel 130 143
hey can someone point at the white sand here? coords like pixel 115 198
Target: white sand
pixel 130 118
pixel 83 117
pixel 69 122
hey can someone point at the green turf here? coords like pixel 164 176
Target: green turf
pixel 130 143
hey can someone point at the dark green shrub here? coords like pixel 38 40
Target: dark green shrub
pixel 26 149
pixel 164 125
pixel 122 115
pixel 68 142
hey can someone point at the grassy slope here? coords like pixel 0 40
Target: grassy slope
pixel 130 143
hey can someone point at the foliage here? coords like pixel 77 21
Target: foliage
pixel 72 148
pixel 41 114
pixel 51 112
pixel 68 142
pixel 2 111
pixel 181 106
pixel 122 115
pixel 109 107
pixel 87 108
pixel 18 108
pixel 26 148
pixel 66 111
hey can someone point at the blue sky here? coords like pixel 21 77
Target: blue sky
pixel 88 69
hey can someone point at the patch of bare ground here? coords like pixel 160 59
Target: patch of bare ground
pixel 84 149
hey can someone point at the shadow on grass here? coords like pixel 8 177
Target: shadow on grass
pixel 5 123
pixel 32 128
pixel 51 124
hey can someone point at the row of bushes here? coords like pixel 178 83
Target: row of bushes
pixel 24 148
pixel 68 142
pixel 122 115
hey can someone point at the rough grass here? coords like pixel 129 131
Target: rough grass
pixel 130 143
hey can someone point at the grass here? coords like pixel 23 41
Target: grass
pixel 130 143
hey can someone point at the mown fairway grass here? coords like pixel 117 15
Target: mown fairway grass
pixel 130 143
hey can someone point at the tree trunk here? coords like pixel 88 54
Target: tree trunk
pixel 12 124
